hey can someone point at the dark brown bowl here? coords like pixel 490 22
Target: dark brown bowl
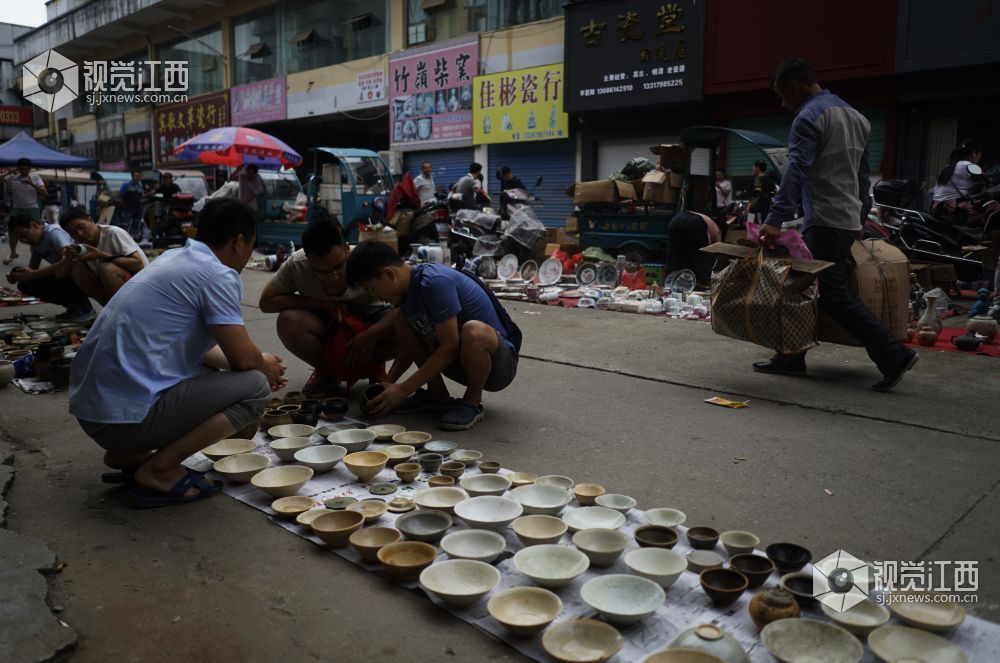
pixel 799 585
pixel 723 586
pixel 336 406
pixel 788 557
pixel 367 395
pixel 756 568
pixel 702 538
pixel 309 418
pixel 655 536
pixel 310 404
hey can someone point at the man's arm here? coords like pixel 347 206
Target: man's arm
pixel 362 346
pixel 39 186
pixel 273 300
pixel 445 353
pixel 130 263
pixel 803 143
pixel 241 354
pixel 864 186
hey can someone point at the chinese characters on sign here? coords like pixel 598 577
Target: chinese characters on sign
pixel 140 81
pixel 138 152
pixel 930 576
pixel 430 95
pixel 371 86
pixel 633 53
pixel 175 123
pixel 259 102
pixel 519 106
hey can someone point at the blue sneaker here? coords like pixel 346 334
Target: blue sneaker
pixel 462 415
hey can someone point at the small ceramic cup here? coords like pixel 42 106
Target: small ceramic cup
pixel 489 466
pixel 453 469
pixel 430 462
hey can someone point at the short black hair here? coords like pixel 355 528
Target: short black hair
pixel 17 221
pixel 254 166
pixel 72 214
pixel 475 167
pixel 136 170
pixel 320 237
pixel 761 165
pixel 225 219
pixel 368 259
pixel 796 70
pixel 24 161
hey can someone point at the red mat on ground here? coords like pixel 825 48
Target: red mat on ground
pixel 944 343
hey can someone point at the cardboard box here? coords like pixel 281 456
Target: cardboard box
pixel 734 235
pixel 932 276
pixel 602 191
pixel 657 188
pixel 676 179
pixel 386 236
pixel 572 226
pixel 639 187
pixel 672 157
pixel 879 274
pixel 555 235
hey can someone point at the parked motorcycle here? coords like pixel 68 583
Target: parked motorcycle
pixel 476 233
pixel 166 219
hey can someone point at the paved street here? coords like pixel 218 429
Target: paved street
pixel 612 398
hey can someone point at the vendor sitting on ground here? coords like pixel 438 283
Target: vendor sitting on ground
pixel 52 284
pixel 687 234
pixel 342 332
pixel 450 324
pixel 138 385
pixel 108 255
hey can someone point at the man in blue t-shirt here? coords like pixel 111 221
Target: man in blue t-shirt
pixel 449 324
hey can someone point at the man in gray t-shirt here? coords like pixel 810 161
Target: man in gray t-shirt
pixel 469 188
pixel 316 308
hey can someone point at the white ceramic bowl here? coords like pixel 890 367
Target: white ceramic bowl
pixel 480 545
pixel 478 485
pixel 241 467
pixel 900 643
pixel 459 582
pixel 229 447
pixel 524 610
pixel 413 438
pixel 399 453
pixel 589 517
pixel 306 517
pixel 488 512
pixel 582 641
pixel 621 598
pixel 466 457
pixel 290 507
pixel 291 430
pixel 443 498
pixel 660 565
pixel 371 509
pixel 538 530
pixel 620 503
pixel 385 431
pixel 860 619
pixel 540 499
pixel 321 458
pixel 927 611
pixel 602 546
pixel 667 517
pixel 736 542
pixel 285 447
pixel 551 566
pixel 352 439
pixel 282 481
pixel 683 655
pixel 699 560
pixel 555 480
pixel 808 639
pixel 426 526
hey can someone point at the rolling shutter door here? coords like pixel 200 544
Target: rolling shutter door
pixel 554 160
pixel 612 155
pixel 449 165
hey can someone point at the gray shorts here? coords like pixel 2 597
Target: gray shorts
pixel 240 395
pixel 502 372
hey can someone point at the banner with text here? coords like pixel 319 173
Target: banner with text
pixel 175 123
pixel 259 102
pixel 519 106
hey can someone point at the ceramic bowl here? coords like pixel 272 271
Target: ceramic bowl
pixel 241 467
pixel 488 512
pixel 811 640
pixel 306 418
pixel 413 438
pixel 926 610
pixel 290 409
pixel 665 517
pixel 275 418
pixel 622 598
pixel 800 585
pixel 306 517
pixel 723 586
pixel 551 566
pixel 366 465
pixel 441 482
pixel 660 565
pixel 399 453
pixel 407 472
pixel 538 530
pixel 372 510
pixel 589 517
pixel 478 485
pixel 294 397
pixel 860 619
pixel 459 582
pixel 426 526
pixel 737 542
pixel 522 478
pixel 403 561
pixel 285 447
pixel 699 560
pixel 282 481
pixel 582 641
pixel 467 457
pixel 352 440
pixel 370 540
pixel 702 538
pixel 756 568
pixel 682 655
pixel 788 557
pixel 290 507
pixel 655 536
pixel 524 610
pixel 541 500
pixel 602 546
pixel 386 431
pixel 440 447
pixel 620 503
pixel 555 480
pixel 321 458
pixel 229 447
pixel 335 527
pixel 478 544
pixel 291 430
pixel 453 469
pixel 587 493
pixel 489 466
pixel 440 499
pixel 899 643
pixel 430 462
pixel 334 407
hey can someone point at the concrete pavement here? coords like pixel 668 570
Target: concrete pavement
pixel 606 397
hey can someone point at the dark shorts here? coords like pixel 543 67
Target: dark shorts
pixel 501 373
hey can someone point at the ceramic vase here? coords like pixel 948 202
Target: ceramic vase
pixel 712 640
pixel 982 325
pixel 6 372
pixel 930 317
pixel 927 336
pixel 771 605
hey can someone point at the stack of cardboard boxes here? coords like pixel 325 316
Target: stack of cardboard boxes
pixel 663 185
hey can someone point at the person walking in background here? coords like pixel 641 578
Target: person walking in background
pixel 251 186
pixel 763 190
pixel 25 189
pixel 52 202
pixel 723 190
pixel 827 173
pixel 132 193
pixel 424 183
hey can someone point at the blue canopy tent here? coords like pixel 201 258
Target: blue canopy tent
pixel 24 146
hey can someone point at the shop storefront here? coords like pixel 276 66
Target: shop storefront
pixel 14 119
pixel 175 123
pixel 449 165
pixel 111 144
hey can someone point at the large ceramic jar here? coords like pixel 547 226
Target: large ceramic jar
pixel 711 639
pixel 771 605
pixel 983 325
